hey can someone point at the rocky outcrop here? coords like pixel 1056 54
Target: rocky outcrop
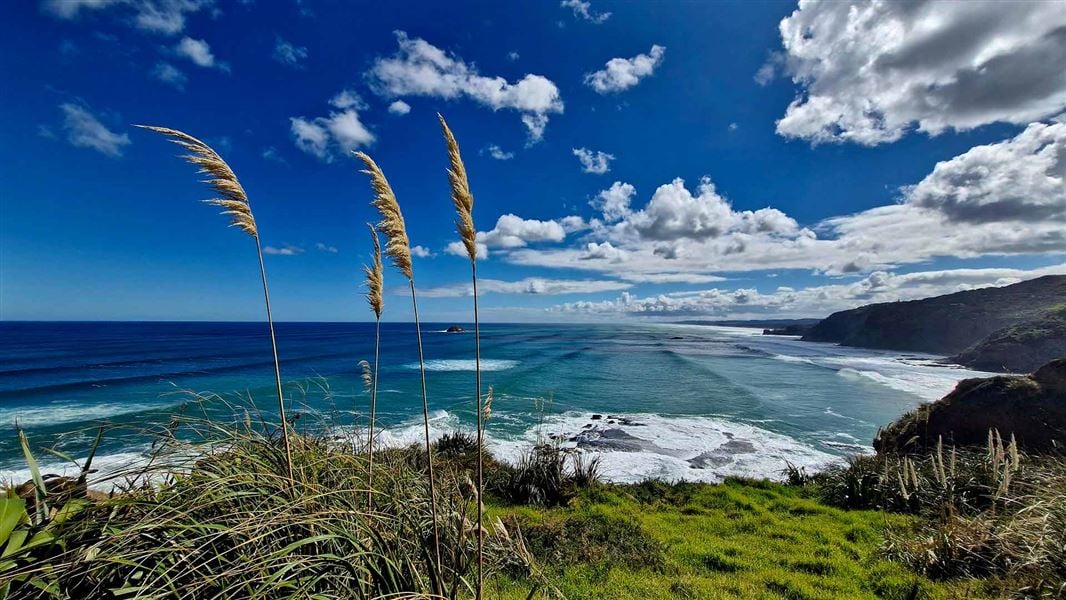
pixel 1030 407
pixel 945 324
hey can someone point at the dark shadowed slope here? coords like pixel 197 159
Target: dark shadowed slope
pixel 953 323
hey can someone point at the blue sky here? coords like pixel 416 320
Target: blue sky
pixel 649 160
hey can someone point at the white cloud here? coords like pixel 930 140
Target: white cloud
pixel 323 247
pixel 339 133
pixel 529 285
pixel 199 52
pixel 583 10
pixel 1023 178
pixel 1002 199
pixel 813 301
pixel 283 250
pixel 498 153
pixel 289 54
pixel 624 73
pixel 84 130
pixel 421 69
pixel 458 249
pixel 69 9
pixel 512 231
pixel 593 161
pixel 166 17
pixel 169 74
pixel 422 252
pixel 347 99
pixel 604 251
pixel 399 107
pixel 614 201
pixel 871 71
pixel 674 213
pixel 513 56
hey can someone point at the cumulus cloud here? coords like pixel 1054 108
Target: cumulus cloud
pixel 512 231
pixel 871 71
pixel 529 285
pixel 199 52
pixel 84 130
pixel 614 201
pixel 422 252
pixel 498 153
pixel 399 107
pixel 1023 178
pixel 166 17
pixel 339 133
pixel 583 10
pixel 169 74
pixel 623 73
pixel 347 99
pixel 421 69
pixel 1005 198
pixel 813 301
pixel 289 54
pixel 458 249
pixel 675 213
pixel 593 161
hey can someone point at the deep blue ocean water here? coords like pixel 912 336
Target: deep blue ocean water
pixel 678 394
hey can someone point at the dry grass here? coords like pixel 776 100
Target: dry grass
pixel 234 201
pixel 398 248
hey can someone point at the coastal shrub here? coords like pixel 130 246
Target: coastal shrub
pixel 942 481
pixel 231 523
pixel 546 475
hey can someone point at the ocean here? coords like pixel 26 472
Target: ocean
pixel 651 400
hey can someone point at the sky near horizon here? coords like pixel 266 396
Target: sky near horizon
pixel 666 160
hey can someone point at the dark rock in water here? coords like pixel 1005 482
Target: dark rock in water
pixel 722 455
pixel 1031 407
pixel 455 329
pixel 611 422
pixel 587 426
pixel 597 417
pixel 677 337
pixel 611 439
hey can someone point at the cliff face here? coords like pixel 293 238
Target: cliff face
pixel 1019 348
pixel 947 324
pixel 1031 407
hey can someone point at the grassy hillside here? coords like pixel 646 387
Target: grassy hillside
pixel 234 523
pixel 944 324
pixel 741 539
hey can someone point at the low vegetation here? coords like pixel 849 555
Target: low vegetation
pixel 953 524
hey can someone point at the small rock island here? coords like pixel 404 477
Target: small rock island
pixel 454 329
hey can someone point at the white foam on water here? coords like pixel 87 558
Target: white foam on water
pixel 104 467
pixel 671 448
pixel 923 375
pixel 487 364
pixel 57 413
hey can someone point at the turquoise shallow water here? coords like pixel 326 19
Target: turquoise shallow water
pixel 675 401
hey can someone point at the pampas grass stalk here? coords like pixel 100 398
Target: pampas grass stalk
pixel 375 279
pixel 398 249
pixel 234 202
pixel 464 224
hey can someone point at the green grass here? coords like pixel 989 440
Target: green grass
pixel 741 539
